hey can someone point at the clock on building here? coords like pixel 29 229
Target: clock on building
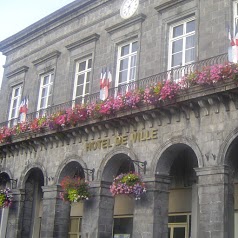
pixel 128 8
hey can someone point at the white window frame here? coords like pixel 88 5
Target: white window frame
pixel 171 40
pixel 13 98
pixel 84 72
pixel 235 16
pixel 50 89
pixel 129 56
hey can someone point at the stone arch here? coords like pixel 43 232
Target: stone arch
pixel 4 179
pixel 113 160
pixel 27 171
pixel 67 167
pixel 222 157
pixel 172 142
pixel 8 172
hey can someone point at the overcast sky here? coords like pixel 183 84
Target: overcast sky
pixel 15 15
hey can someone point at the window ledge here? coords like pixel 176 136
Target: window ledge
pixel 126 23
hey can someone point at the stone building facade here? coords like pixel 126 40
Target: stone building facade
pixel 189 143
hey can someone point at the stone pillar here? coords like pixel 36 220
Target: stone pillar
pixel 98 212
pixel 55 215
pixel 14 224
pixel 213 202
pixel 151 211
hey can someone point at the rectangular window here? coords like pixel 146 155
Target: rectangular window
pixel 82 80
pixel 179 225
pixel 182 43
pixel 235 11
pixel 122 226
pixel 75 227
pixel 45 93
pixel 15 103
pixel 126 63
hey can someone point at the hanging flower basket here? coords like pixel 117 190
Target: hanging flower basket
pixel 6 198
pixel 128 184
pixel 74 189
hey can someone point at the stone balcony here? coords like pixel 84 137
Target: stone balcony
pixel 196 100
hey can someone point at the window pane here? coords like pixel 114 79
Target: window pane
pixel 46 80
pixel 49 101
pixel 86 88
pixel 50 90
pixel 43 103
pixel 89 63
pixel 79 91
pixel 177 46
pixel 169 232
pixel 13 113
pixel 133 61
pixel 14 103
pixel 81 79
pixel 124 64
pixel 74 225
pixel 189 55
pixel 123 226
pixel 177 219
pixel 190 41
pixel 132 74
pixel 82 66
pixel 44 92
pixel 134 46
pixel 17 90
pixel 125 50
pixel 179 232
pixel 190 26
pixel 177 59
pixel 123 76
pixel 88 76
pixel 177 31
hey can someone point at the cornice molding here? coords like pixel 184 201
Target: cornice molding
pixel 15 72
pixel 54 54
pixel 119 26
pixel 167 4
pixel 84 41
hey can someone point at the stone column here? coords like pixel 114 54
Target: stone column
pixel 98 212
pixel 151 211
pixel 56 214
pixel 14 224
pixel 213 196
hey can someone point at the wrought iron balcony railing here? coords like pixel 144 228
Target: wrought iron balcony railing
pixel 174 74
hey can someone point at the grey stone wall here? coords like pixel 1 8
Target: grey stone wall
pixel 152 34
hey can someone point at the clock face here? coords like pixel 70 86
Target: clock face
pixel 128 8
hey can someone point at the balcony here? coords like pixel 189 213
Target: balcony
pixel 189 99
pixel 174 74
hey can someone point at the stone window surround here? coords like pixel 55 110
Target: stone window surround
pixel 42 86
pixel 74 49
pixel 83 72
pixel 171 39
pixel 129 57
pixel 13 98
pixel 166 22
